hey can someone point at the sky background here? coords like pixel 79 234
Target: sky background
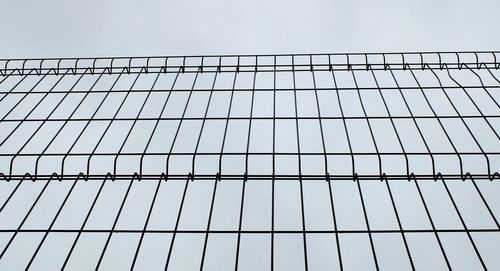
pixel 134 28
pixel 137 28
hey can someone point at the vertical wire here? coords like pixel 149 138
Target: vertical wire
pixel 250 123
pixel 332 206
pixel 432 225
pixel 327 177
pixel 33 108
pixel 354 174
pixel 380 168
pixel 4 78
pixel 41 125
pixel 369 124
pixel 25 118
pixel 73 245
pixel 141 238
pixel 114 224
pixel 433 171
pixel 219 173
pixel 60 129
pixel 391 119
pixel 11 239
pixel 245 175
pixel 176 224
pixel 489 124
pixel 489 71
pixel 463 121
pixel 238 241
pixel 47 182
pixel 180 124
pixel 216 180
pixel 463 224
pixel 189 176
pixel 345 124
pixel 472 100
pixel 249 132
pixel 226 125
pixel 158 121
pixel 76 140
pixel 410 258
pixel 90 156
pixel 203 124
pixel 304 237
pixel 320 122
pixel 68 119
pixel 14 87
pixel 496 79
pixel 110 123
pixel 68 256
pixel 11 195
pixel 370 237
pixel 3 117
pixel 205 242
pixel 461 169
pixel 482 84
pixel 246 170
pixel 136 254
pixel 134 123
pixel 51 225
pixel 380 171
pixel 22 98
pixel 483 199
pixel 273 180
pixel 400 91
pixel 300 175
pixel 440 123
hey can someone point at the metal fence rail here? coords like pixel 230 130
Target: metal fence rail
pixel 249 162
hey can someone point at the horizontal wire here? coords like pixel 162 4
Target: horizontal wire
pixel 296 66
pixel 249 153
pixel 385 88
pixel 248 68
pixel 251 231
pixel 482 99
pixel 266 177
pixel 252 118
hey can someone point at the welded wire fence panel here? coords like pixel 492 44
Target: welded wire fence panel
pixel 283 162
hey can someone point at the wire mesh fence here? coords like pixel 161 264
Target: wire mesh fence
pixel 344 161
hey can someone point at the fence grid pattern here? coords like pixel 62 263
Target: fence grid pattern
pixel 349 161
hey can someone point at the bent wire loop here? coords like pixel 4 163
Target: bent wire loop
pixel 447 65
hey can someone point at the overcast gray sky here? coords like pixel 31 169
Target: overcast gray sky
pixel 134 28
pixel 101 28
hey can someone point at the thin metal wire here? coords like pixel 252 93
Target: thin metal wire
pixel 22 88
